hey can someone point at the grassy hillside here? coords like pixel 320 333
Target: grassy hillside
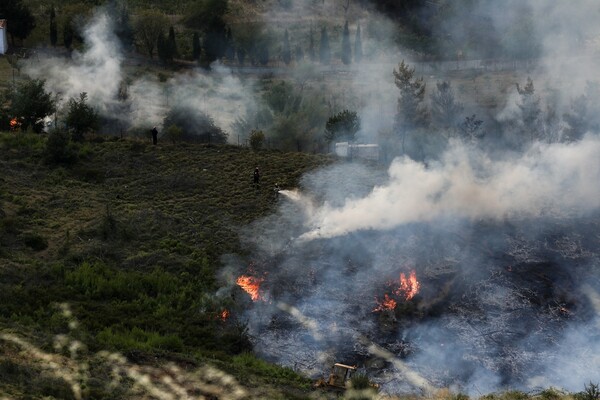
pixel 119 251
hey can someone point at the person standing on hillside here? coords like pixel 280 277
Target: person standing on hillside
pixel 154 136
pixel 256 176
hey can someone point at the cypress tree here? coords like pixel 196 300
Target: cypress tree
pixel 358 46
pixel 172 45
pixel 53 29
pixel 229 47
pixel 324 50
pixel 68 34
pixel 196 46
pixel 287 53
pixel 346 49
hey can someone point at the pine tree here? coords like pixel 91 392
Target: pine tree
pixel 346 48
pixel 286 53
pixel 196 48
pixel 411 113
pixel 230 49
pixel 358 46
pixel 53 29
pixel 324 50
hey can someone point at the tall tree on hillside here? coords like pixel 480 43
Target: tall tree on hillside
pixel 149 26
pixel 584 114
pixel 299 53
pixel 346 48
pixel 229 45
pixel 172 43
pixel 53 28
pixel 410 112
pixel 81 117
pixel 30 104
pixel 286 53
pixel 208 16
pixel 342 125
pixel 531 112
pixel 324 50
pixel 358 46
pixel 445 109
pixel 196 48
pixel 21 20
pixel 123 28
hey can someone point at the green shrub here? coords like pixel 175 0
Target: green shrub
pixel 139 339
pixel 257 139
pixel 360 382
pixel 590 392
pixel 35 241
pixel 59 148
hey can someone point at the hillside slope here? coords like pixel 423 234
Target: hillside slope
pixel 119 252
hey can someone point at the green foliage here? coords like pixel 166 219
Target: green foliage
pixel 98 281
pixel 196 47
pixel 53 28
pixel 195 126
pixel 410 111
pixel 81 117
pixel 174 133
pixel 59 148
pixel 257 139
pixel 360 382
pixel 445 109
pixel 30 103
pixel 256 366
pixel 342 125
pixel 35 241
pixel 149 27
pixel 139 339
pixel 591 392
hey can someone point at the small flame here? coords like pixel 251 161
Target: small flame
pixel 14 123
pixel 388 303
pixel 409 287
pixel 223 315
pixel 250 285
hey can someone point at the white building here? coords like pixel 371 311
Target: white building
pixel 3 37
pixel 350 150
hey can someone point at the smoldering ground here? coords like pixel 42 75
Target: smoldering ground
pixel 501 295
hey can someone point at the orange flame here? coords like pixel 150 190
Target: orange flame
pixel 387 304
pixel 409 287
pixel 14 123
pixel 224 315
pixel 250 285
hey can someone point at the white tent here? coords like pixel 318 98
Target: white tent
pixel 3 37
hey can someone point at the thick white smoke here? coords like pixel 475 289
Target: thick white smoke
pixel 548 180
pixel 96 70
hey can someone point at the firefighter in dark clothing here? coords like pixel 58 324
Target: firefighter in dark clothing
pixel 154 135
pixel 256 176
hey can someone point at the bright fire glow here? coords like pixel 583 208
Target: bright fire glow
pixel 409 287
pixel 387 303
pixel 250 285
pixel 14 123
pixel 224 315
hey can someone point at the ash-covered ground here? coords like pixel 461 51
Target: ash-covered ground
pixel 502 302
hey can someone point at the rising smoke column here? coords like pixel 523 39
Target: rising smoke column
pixel 96 70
